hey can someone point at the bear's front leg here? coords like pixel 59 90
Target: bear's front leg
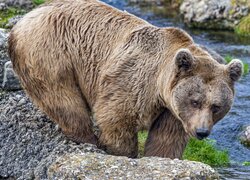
pixel 118 132
pixel 167 137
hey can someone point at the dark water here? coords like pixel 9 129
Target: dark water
pixel 225 43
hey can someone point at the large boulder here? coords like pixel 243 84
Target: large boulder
pixel 214 14
pixel 29 141
pixel 104 167
pixel 33 147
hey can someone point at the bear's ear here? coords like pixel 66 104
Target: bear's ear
pixel 184 60
pixel 235 69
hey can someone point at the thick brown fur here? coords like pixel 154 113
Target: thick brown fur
pixel 81 58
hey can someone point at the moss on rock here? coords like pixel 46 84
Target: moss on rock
pixel 243 28
pixel 38 2
pixel 10 12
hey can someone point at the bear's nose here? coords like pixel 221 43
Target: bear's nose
pixel 202 133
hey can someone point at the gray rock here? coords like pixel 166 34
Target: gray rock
pixel 10 79
pixel 33 147
pixel 12 21
pixel 26 4
pixel 224 14
pixel 29 141
pixel 3 6
pixel 3 53
pixel 245 136
pixel 104 167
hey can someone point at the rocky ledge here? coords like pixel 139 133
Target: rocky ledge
pixel 99 166
pixel 214 14
pixel 33 147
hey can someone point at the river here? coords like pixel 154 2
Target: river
pixel 226 132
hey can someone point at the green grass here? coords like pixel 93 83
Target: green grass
pixel 142 137
pixel 38 2
pixel 243 28
pixel 246 163
pixel 5 15
pixel 9 13
pixel 205 151
pixel 229 58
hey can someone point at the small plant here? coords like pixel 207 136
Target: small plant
pixel 142 137
pixel 246 163
pixel 38 2
pixel 229 58
pixel 206 152
pixel 5 15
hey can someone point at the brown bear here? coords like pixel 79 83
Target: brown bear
pixel 82 59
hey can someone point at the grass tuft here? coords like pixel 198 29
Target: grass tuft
pixel 142 137
pixel 246 163
pixel 38 2
pixel 5 15
pixel 243 28
pixel 205 151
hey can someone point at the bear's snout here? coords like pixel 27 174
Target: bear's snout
pixel 202 133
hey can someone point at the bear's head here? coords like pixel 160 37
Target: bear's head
pixel 201 89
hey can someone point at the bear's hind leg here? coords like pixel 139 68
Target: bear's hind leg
pixel 67 107
pixel 118 131
pixel 116 139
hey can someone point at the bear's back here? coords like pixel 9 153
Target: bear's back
pixel 67 36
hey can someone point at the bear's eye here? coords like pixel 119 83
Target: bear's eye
pixel 195 104
pixel 215 108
